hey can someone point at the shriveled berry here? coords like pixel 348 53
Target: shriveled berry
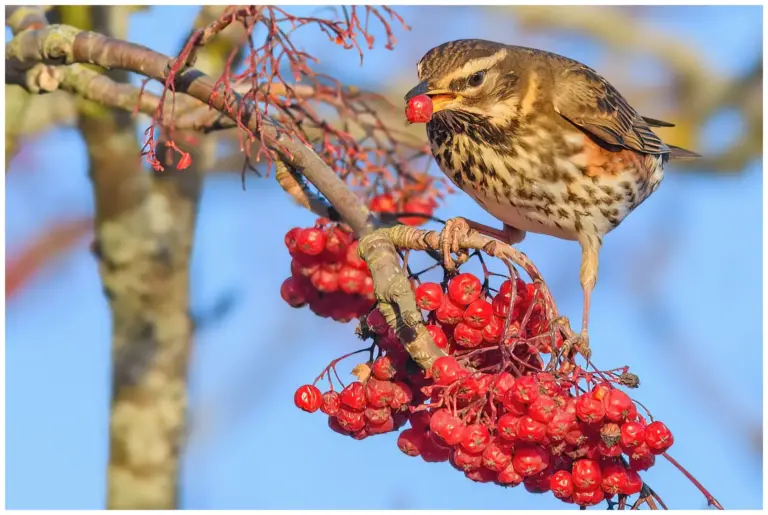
pixel 476 438
pixel 331 403
pixel 586 475
pixel 589 409
pixel 632 435
pixel 478 314
pixel 466 336
pixel 411 441
pixel 429 296
pixel 658 437
pixel 311 241
pixel 561 484
pixel 438 336
pixel 419 109
pixel 530 459
pixel 464 289
pixel 615 479
pixel 610 434
pixel 353 396
pixel 308 398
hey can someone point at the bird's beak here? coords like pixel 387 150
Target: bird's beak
pixel 440 97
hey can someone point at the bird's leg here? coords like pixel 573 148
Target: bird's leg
pixel 590 248
pixel 456 228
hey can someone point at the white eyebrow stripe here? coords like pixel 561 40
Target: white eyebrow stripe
pixel 476 65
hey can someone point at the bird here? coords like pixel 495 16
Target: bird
pixel 541 142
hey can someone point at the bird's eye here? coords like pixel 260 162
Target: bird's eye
pixel 476 79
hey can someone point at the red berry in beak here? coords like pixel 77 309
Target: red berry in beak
pixel 419 109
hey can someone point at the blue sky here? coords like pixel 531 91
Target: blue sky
pixel 252 449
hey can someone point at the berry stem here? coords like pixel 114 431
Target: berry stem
pixel 710 498
pixel 332 366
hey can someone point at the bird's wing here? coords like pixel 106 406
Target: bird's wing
pixel 588 101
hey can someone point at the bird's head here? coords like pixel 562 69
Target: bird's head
pixel 473 76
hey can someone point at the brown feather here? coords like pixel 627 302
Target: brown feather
pixel 590 102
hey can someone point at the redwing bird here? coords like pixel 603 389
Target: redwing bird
pixel 541 142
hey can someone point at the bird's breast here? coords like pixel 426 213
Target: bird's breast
pixel 545 183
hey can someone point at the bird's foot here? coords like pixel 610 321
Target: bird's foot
pixel 578 342
pixel 450 237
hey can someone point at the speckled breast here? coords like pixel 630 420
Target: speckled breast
pixel 545 183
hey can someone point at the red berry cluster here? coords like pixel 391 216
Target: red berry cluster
pixel 489 408
pixel 327 273
pixel 378 404
pixel 532 429
pixel 466 316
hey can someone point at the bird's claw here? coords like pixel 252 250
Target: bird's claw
pixel 450 237
pixel 579 342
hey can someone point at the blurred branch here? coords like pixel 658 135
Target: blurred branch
pixel 21 267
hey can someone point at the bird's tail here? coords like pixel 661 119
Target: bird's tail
pixel 681 153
